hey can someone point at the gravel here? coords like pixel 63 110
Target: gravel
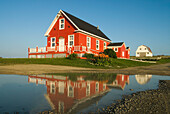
pixel 151 101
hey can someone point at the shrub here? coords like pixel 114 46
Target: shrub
pixel 89 56
pixel 102 60
pixel 110 53
pixel 72 56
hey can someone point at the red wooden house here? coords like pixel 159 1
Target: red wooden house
pixel 68 34
pixel 121 50
pixel 65 95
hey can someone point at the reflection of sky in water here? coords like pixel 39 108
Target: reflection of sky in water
pixel 16 94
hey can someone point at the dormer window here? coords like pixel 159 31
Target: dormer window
pixel 61 24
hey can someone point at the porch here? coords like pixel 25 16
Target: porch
pixel 56 52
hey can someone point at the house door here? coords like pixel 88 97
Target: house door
pixel 143 54
pixel 61 45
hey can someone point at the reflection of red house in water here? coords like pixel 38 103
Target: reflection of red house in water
pixel 120 81
pixel 64 95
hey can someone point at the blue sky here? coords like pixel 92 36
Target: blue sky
pixel 23 23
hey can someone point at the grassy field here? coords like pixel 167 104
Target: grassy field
pixel 117 63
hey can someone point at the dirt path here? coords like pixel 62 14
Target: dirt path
pixel 26 69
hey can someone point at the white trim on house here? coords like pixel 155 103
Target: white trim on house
pixel 52 24
pixel 97 45
pixel 69 19
pixel 88 41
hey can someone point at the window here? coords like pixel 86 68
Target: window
pixel 52 88
pixel 97 44
pixel 70 40
pixel 61 107
pixel 61 24
pixel 61 87
pixel 123 53
pixel 116 49
pixel 88 89
pixel 97 86
pixel 88 42
pixel 104 86
pixel 148 53
pixel 53 42
pixel 145 48
pixel 104 45
pixel 70 91
pixel 140 49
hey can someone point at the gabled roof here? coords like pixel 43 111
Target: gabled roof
pixel 116 44
pixel 80 25
pixel 127 47
pixel 147 48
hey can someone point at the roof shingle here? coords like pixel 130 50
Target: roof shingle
pixel 116 44
pixel 86 26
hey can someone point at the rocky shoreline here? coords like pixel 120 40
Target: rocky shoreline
pixel 151 101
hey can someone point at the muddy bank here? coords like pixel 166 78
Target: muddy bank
pixel 151 101
pixel 27 69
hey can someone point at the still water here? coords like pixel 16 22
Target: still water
pixel 69 93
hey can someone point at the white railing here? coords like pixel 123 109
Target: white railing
pixel 41 49
pixel 76 48
pixel 56 48
pixel 32 50
pixel 83 48
pixel 50 48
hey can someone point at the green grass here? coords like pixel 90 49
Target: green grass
pixel 117 63
pixel 88 76
pixel 162 61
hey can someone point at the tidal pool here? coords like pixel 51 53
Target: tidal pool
pixel 69 93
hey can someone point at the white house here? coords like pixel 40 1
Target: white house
pixel 143 51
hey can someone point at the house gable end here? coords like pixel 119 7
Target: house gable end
pixel 59 14
pixel 68 27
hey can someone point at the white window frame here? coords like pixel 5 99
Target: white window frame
pixel 53 42
pixel 89 41
pixel 123 53
pixel 104 86
pixel 70 92
pixel 97 44
pixel 88 89
pixel 61 107
pixel 52 88
pixel 97 87
pixel 70 40
pixel 115 49
pixel 105 45
pixel 60 28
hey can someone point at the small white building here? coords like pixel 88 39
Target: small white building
pixel 143 51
